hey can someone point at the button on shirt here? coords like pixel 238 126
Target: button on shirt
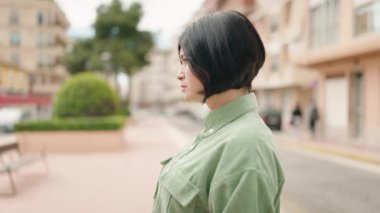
pixel 231 166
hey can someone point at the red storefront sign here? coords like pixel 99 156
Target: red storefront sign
pixel 24 100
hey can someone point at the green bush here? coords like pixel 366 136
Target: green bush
pixel 82 123
pixel 86 95
pixel 125 109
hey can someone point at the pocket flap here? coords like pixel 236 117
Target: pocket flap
pixel 164 162
pixel 179 187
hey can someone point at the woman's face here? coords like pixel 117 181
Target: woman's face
pixel 191 86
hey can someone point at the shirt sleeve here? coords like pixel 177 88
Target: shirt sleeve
pixel 245 192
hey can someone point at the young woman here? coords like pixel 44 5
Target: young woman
pixel 231 166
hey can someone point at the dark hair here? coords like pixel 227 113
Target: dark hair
pixel 224 51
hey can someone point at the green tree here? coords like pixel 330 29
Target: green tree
pixel 80 56
pixel 118 45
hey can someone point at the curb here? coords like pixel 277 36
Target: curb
pixel 320 148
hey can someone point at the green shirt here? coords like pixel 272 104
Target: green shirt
pixel 231 166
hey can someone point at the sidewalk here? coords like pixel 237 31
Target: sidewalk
pixel 96 182
pixel 347 150
pixel 301 140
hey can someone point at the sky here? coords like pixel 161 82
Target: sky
pixel 163 17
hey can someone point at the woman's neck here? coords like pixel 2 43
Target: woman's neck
pixel 216 101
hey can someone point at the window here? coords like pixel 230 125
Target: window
pixel 15 39
pixel 32 79
pixel 51 39
pixel 274 23
pixel 285 53
pixel 367 18
pixel 324 21
pixel 10 77
pixel 14 18
pixel 41 61
pixel 274 27
pixel 45 39
pixel 43 79
pixel 275 61
pixel 45 61
pixel 40 18
pixel 40 40
pixel 15 59
pixel 51 61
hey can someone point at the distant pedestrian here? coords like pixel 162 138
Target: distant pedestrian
pixel 314 117
pixel 296 116
pixel 231 166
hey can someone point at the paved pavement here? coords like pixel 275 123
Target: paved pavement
pixel 99 182
pixel 301 140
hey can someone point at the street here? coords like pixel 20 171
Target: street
pixel 318 182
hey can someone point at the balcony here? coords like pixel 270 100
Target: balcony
pixel 353 48
pixel 61 38
pixel 61 20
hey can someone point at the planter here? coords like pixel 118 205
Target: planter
pixel 71 141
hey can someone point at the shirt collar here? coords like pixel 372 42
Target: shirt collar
pixel 220 117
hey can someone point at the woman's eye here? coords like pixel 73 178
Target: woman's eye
pixel 183 60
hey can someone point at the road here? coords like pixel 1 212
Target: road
pixel 321 183
pixel 317 182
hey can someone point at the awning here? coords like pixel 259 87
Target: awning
pixel 24 100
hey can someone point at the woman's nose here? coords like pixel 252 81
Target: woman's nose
pixel 180 75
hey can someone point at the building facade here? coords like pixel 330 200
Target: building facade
pixel 150 85
pixel 13 80
pixel 14 94
pixel 323 52
pixel 33 37
pixel 282 85
pixel 343 44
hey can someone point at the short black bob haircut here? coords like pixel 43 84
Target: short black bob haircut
pixel 224 51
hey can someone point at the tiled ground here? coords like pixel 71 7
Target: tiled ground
pixel 95 182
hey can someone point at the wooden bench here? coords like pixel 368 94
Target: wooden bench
pixel 15 160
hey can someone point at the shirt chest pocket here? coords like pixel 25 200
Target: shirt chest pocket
pixel 178 194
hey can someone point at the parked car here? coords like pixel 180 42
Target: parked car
pixel 272 118
pixel 9 116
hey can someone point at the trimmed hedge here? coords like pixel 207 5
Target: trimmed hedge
pixel 83 123
pixel 86 95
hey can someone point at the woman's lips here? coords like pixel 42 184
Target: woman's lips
pixel 183 88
